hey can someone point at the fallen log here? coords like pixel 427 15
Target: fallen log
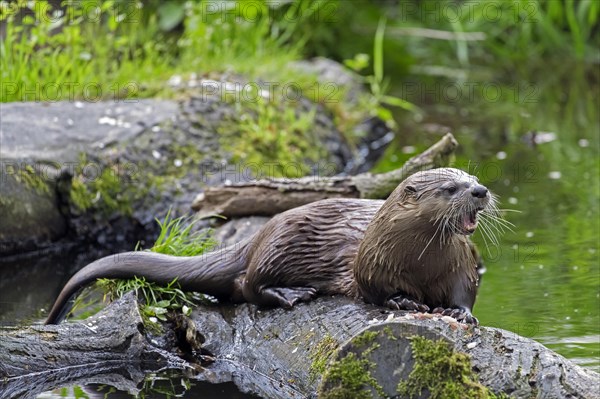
pixel 272 196
pixel 281 353
pixel 107 348
pixel 277 353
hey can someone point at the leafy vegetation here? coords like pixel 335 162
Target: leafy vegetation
pixel 176 238
pixel 284 136
pixel 94 50
pixel 540 56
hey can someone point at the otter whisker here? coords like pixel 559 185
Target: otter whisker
pixel 486 232
pixel 500 224
pixel 429 242
pixel 495 222
pixel 485 241
pixel 505 223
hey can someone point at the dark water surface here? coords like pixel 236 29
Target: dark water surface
pixel 539 151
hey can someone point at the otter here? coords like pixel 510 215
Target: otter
pixel 410 252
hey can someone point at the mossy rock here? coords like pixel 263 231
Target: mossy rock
pixel 30 217
pixel 420 360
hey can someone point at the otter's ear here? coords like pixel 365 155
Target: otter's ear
pixel 410 190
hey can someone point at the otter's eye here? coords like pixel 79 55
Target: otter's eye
pixel 451 189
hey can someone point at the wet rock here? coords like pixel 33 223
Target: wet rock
pixel 100 173
pixel 30 215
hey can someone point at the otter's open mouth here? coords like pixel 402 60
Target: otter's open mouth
pixel 469 221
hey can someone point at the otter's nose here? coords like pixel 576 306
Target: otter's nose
pixel 479 191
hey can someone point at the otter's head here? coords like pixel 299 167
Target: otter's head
pixel 450 198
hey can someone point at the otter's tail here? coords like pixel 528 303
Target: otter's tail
pixel 214 273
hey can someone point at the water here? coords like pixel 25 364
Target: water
pixel 543 278
pixel 166 385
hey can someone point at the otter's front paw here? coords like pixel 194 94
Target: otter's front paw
pixel 401 302
pixel 460 314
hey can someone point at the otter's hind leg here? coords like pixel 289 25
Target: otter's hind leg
pixel 286 297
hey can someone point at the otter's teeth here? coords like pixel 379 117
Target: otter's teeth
pixel 470 222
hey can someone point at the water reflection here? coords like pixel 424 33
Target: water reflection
pixel 165 385
pixel 542 159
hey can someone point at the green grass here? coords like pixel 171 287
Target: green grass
pixel 119 51
pixel 176 238
pixel 519 36
pixel 284 135
pixel 80 56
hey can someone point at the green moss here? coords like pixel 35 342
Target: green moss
pixel 31 179
pixel 273 139
pixel 350 378
pixel 320 356
pixel 5 202
pixel 389 333
pixel 105 192
pixel 444 373
pixel 79 195
pixel 365 338
pixel 104 188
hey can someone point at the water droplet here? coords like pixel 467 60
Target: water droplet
pixel 156 154
pixel 540 267
pixel 78 104
pixel 106 120
pixel 156 129
pixel 512 200
pixel 529 234
pixel 554 175
pixel 178 163
pixel 583 143
pixel 501 155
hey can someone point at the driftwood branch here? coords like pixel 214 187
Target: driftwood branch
pixel 272 196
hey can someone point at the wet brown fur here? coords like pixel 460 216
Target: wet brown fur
pixel 353 247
